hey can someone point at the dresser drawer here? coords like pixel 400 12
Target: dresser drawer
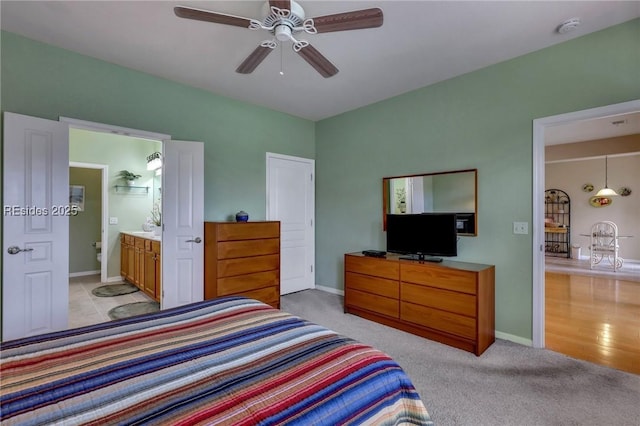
pixel 247 248
pixel 374 303
pixel 377 267
pixel 247 231
pixel 436 319
pixel 459 303
pixel 369 284
pixel 247 265
pixel 435 276
pixel 243 283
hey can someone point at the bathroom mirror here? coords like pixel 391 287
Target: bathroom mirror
pixel 441 192
pixel 157 190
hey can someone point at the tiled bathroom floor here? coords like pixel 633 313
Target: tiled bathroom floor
pixel 87 309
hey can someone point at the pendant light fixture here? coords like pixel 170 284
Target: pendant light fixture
pixel 606 191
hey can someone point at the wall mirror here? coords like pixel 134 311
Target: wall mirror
pixel 442 192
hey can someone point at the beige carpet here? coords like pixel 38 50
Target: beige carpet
pixel 510 384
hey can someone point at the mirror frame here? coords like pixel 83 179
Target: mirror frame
pixel 385 195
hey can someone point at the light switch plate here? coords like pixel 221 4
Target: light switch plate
pixel 520 227
pixel 113 221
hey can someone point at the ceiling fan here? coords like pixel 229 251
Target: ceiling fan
pixel 285 19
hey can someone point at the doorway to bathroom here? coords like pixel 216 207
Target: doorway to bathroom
pixel 89 196
pixel 108 205
pixel 125 206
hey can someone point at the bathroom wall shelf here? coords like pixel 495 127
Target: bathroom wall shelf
pixel 132 188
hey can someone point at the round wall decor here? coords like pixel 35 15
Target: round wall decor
pixel 600 201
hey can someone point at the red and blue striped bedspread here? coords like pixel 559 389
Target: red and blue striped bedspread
pixel 228 361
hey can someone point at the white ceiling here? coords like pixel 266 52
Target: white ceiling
pixel 420 43
pixel 595 129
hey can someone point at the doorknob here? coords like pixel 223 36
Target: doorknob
pixel 16 250
pixel 198 240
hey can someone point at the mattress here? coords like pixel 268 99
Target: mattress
pixel 232 361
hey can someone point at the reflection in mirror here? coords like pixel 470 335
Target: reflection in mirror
pixel 157 190
pixel 444 192
pixel 156 212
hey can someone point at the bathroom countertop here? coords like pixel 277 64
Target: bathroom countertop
pixel 143 234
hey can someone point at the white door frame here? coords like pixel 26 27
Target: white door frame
pixel 74 123
pixel 108 128
pixel 539 126
pixel 104 235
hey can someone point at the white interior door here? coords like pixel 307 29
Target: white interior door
pixel 291 200
pixel 183 223
pixel 35 269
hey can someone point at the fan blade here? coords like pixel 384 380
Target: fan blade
pixel 253 60
pixel 356 20
pixel 317 61
pixel 207 16
pixel 281 4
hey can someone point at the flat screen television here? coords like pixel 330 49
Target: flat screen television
pixel 423 236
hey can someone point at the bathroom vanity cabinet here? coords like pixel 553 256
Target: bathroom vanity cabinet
pixel 140 263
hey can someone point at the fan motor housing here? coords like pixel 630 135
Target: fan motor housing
pixel 295 18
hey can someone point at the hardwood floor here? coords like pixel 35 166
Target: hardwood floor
pixel 593 318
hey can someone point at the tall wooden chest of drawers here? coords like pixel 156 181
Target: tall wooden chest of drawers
pixel 450 302
pixel 242 259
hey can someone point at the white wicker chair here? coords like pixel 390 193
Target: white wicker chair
pixel 604 243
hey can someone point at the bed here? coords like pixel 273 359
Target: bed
pixel 223 361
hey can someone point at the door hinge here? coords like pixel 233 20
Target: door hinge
pixel 311 176
pixel 311 267
pixel 311 222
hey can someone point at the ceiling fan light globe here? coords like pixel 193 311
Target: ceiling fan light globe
pixel 283 33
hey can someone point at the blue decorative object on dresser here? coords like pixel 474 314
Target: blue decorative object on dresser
pixel 242 216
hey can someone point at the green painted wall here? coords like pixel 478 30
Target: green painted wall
pixel 131 206
pixel 479 120
pixel 48 82
pixel 84 227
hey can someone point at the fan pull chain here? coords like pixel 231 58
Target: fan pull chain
pixel 281 62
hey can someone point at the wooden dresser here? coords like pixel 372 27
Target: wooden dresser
pixel 242 258
pixel 450 302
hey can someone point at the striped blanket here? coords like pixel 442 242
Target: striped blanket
pixel 231 361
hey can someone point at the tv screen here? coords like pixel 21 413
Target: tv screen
pixel 426 234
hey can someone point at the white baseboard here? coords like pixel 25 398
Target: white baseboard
pixel 83 273
pixel 514 339
pixel 114 279
pixel 330 290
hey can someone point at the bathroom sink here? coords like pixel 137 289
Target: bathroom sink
pixel 143 233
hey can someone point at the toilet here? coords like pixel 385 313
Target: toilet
pixel 98 246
